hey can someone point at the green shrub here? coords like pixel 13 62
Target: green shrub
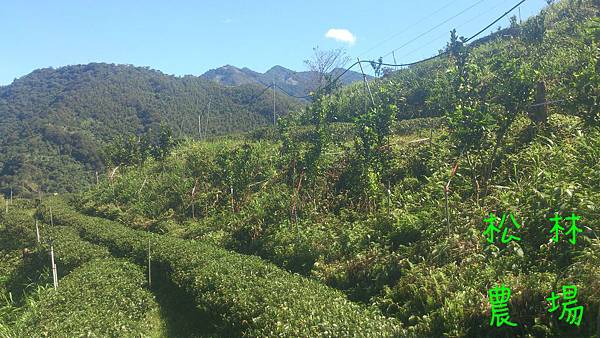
pixel 103 298
pixel 70 251
pixel 18 230
pixel 247 295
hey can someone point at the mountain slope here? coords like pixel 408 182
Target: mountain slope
pixel 295 83
pixel 53 121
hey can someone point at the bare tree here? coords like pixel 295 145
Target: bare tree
pixel 322 63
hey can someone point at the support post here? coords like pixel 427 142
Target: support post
pixel 149 265
pixel 54 272
pixel 365 81
pixel 37 231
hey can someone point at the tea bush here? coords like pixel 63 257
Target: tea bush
pixel 248 296
pixel 102 298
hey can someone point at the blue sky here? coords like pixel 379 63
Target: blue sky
pixel 190 37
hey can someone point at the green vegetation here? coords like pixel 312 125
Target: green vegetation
pixel 100 298
pixel 362 216
pixel 55 122
pixel 353 194
pixel 243 294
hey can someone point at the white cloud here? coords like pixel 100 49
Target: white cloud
pixel 340 34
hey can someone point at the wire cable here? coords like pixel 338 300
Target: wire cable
pixel 415 62
pixel 407 27
pixel 435 27
pixel 446 33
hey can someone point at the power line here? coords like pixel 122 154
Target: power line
pixel 404 64
pixel 407 27
pixel 292 95
pixel 261 94
pixel 446 33
pixel 435 27
pixel 435 56
pixel 494 22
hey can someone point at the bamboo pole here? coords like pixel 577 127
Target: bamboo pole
pixel 37 231
pixel 54 272
pixel 149 265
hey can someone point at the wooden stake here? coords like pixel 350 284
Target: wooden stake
pixel 232 201
pixel 389 198
pixel 193 196
pixel 143 185
pixel 54 272
pixel 37 231
pixel 97 178
pixel 149 265
pixel 366 82
pixel 11 196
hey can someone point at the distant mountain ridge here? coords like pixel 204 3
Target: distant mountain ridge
pixel 295 83
pixel 55 122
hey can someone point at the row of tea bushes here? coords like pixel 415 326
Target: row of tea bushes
pixel 246 295
pixel 19 273
pixel 17 229
pixel 102 298
pixel 70 251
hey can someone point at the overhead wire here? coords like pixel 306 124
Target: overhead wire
pixel 434 56
pixel 434 27
pixel 407 27
pixel 446 33
pixel 415 62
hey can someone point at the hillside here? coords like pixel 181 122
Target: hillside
pixel 459 197
pixel 422 203
pixel 55 122
pixel 294 83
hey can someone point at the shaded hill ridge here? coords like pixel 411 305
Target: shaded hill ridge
pixel 293 82
pixel 54 122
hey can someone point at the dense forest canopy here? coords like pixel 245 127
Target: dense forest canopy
pixel 55 122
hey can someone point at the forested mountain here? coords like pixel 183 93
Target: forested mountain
pixel 454 198
pixel 399 199
pixel 55 122
pixel 295 83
